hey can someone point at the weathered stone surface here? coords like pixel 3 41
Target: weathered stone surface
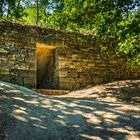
pixel 78 59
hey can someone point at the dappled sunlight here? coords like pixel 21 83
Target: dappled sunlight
pixel 35 119
pixel 32 101
pixel 78 118
pixel 3 84
pixel 94 120
pixel 13 91
pixel 106 114
pixel 127 90
pixel 86 107
pixel 18 98
pixel 59 107
pixel 20 118
pixel 18 112
pixel 20 107
pixel 61 122
pixel 1 88
pixel 77 111
pixel 90 137
pixel 46 102
pixel 40 126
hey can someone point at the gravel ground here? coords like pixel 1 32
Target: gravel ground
pixel 105 112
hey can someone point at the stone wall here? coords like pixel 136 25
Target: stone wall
pixel 79 61
pixel 17 56
pixel 86 65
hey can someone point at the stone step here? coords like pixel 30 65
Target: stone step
pixel 52 92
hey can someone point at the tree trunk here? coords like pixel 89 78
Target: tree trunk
pixel 1 6
pixel 37 11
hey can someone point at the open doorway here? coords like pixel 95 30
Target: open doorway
pixel 46 66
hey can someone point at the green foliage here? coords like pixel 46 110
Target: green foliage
pixel 129 36
pixel 114 23
pixel 29 15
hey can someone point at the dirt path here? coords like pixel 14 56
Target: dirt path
pixel 92 115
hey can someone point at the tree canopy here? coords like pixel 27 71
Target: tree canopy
pixel 115 23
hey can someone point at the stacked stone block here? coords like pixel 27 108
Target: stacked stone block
pixel 79 62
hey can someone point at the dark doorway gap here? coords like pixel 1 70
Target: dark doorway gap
pixel 45 66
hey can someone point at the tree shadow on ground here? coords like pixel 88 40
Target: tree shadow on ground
pixel 32 116
pixel 127 91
